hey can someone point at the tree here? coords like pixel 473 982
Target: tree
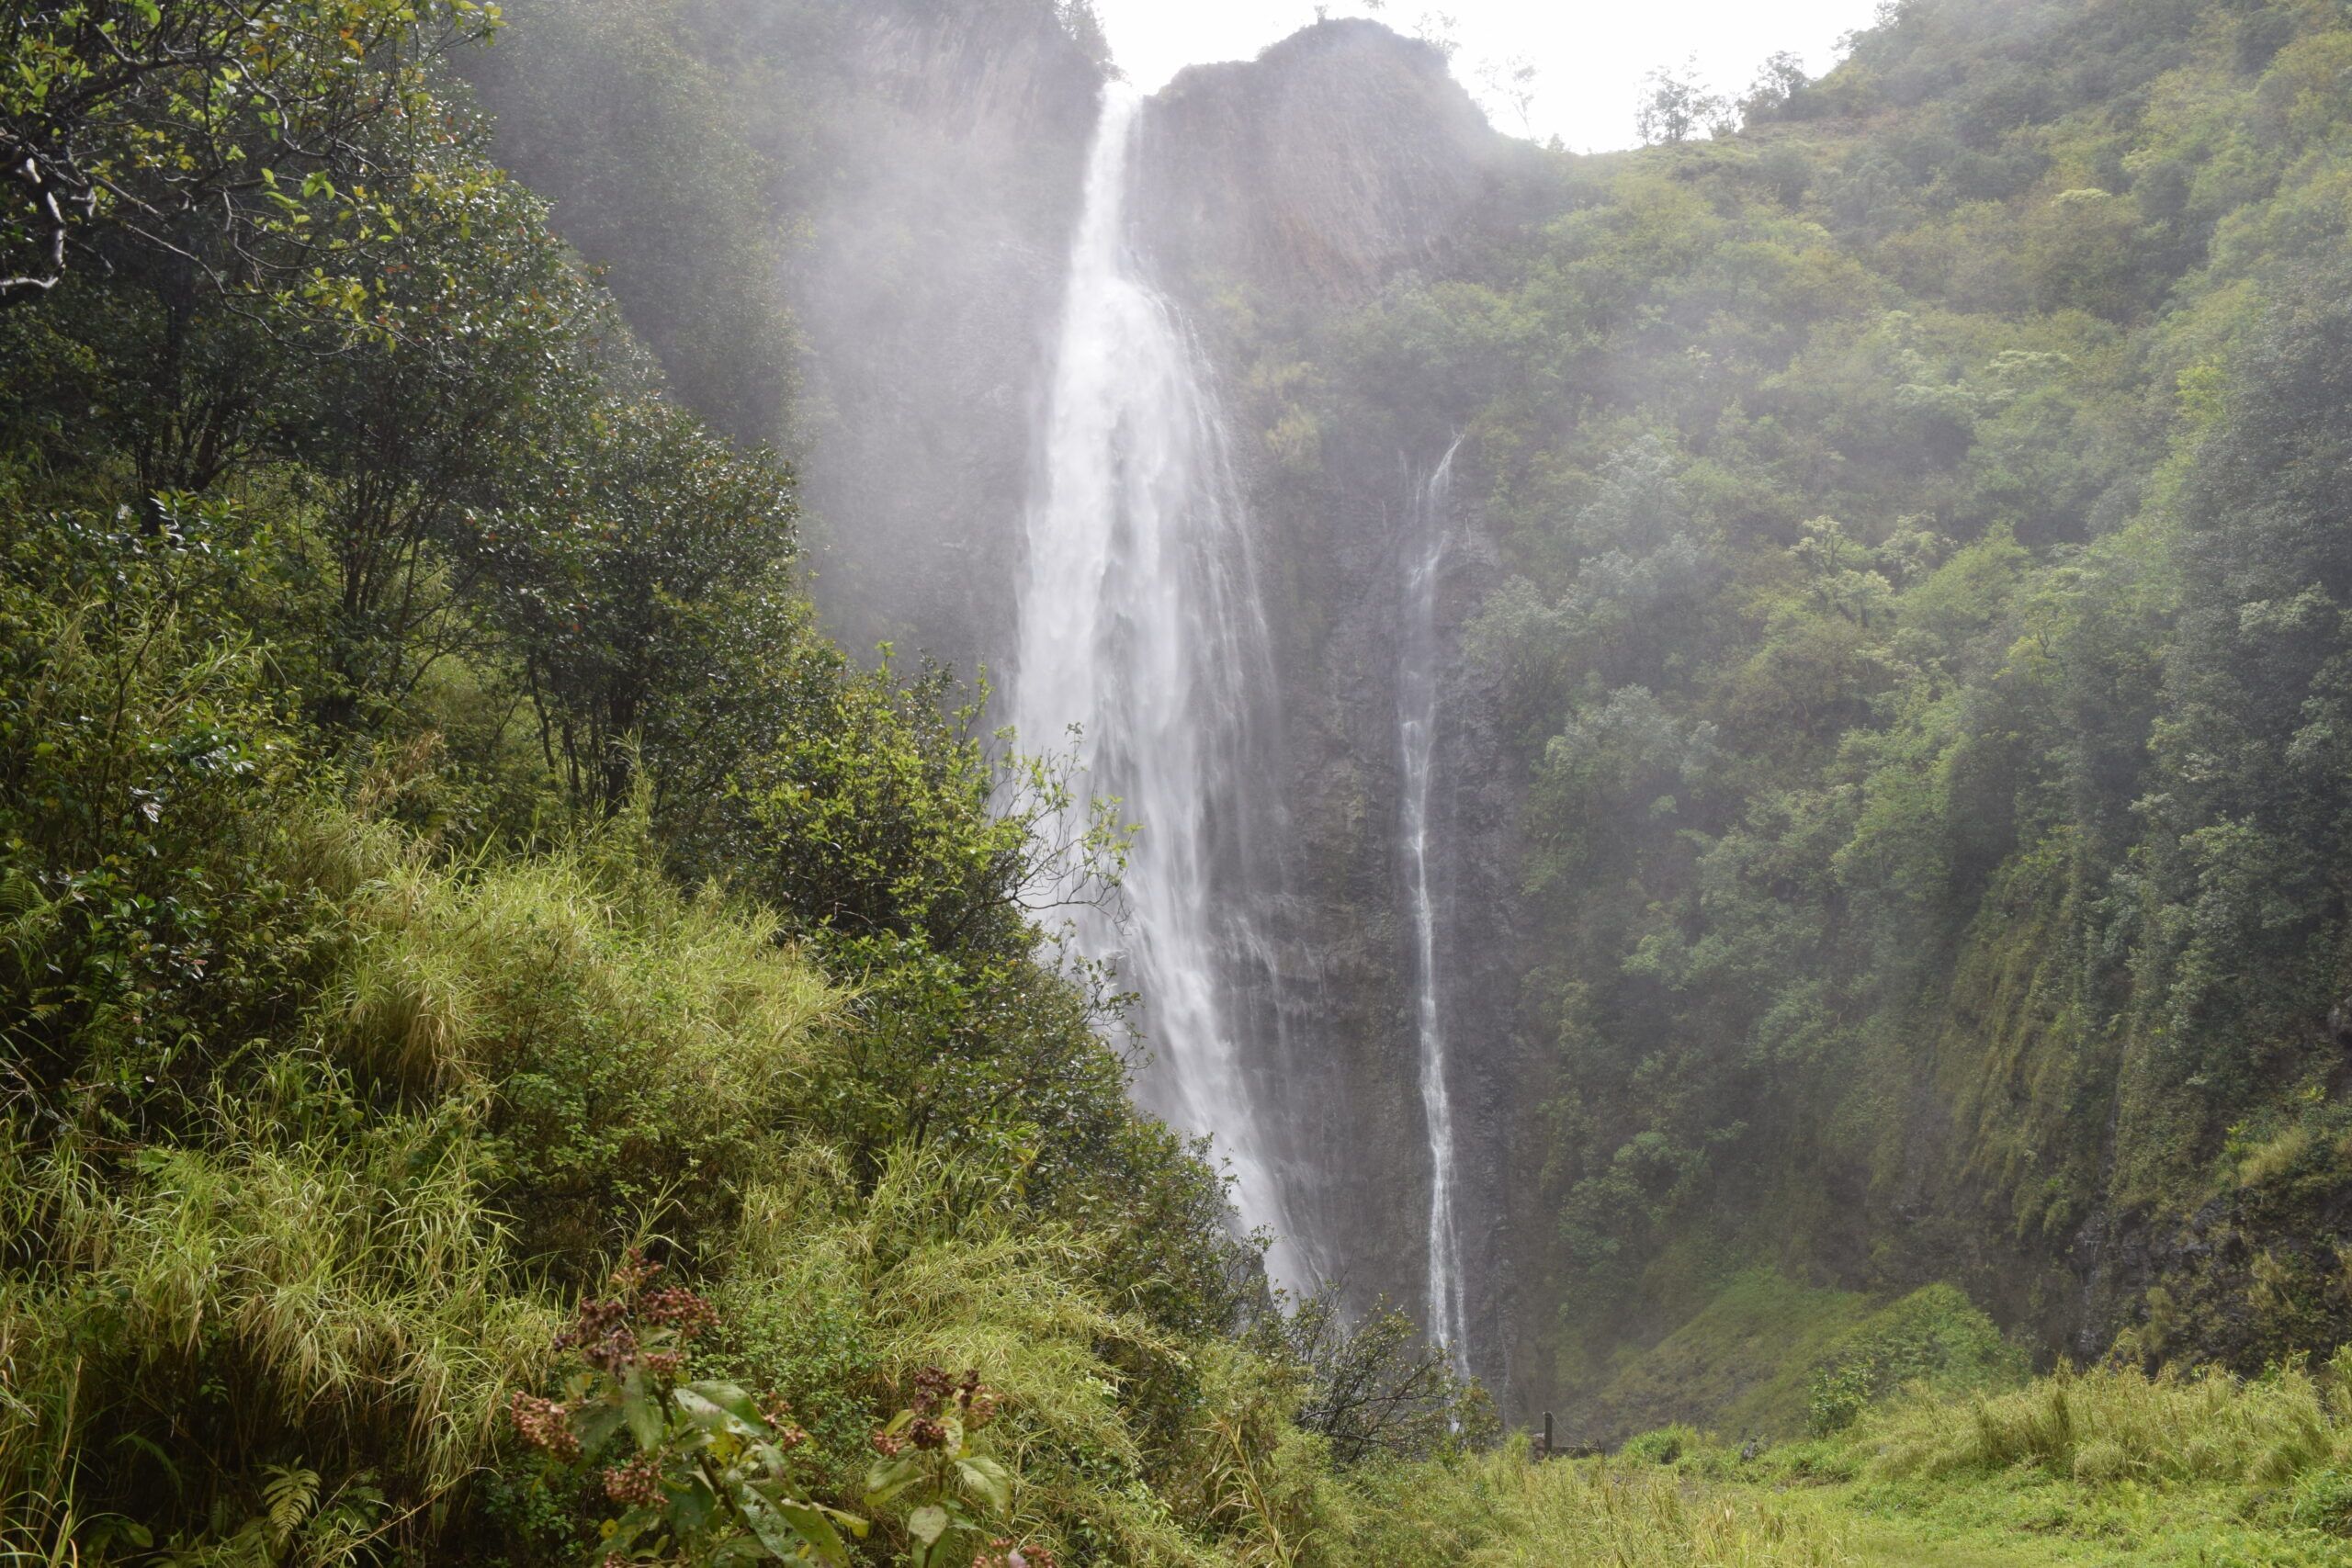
pixel 485 355
pixel 1374 1388
pixel 123 119
pixel 1676 106
pixel 644 580
pixel 1778 81
pixel 1510 82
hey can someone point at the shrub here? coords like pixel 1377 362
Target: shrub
pixel 709 1480
pixel 1663 1446
pixel 1934 1336
pixel 2203 1428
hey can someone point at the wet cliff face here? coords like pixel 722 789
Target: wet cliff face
pixel 1273 197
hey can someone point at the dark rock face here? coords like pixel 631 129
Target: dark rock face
pixel 1304 181
pixel 1348 1088
pixel 1339 156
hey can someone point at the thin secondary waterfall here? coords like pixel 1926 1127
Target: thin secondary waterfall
pixel 1417 716
pixel 1140 628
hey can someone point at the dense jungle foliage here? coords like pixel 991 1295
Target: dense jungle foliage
pixel 513 1049
pixel 1922 622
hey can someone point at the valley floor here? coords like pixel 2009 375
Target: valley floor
pixel 1608 1512
pixel 2098 1470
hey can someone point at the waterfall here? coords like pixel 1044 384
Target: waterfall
pixel 1417 716
pixel 1140 628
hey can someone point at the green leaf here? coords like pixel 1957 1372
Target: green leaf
pixel 633 1524
pixel 691 1510
pixel 644 1416
pixel 730 1399
pixel 781 1540
pixel 815 1523
pixel 595 1426
pixel 928 1523
pixel 712 1417
pixel 793 1531
pixel 890 1478
pixel 989 1479
pixel 790 1506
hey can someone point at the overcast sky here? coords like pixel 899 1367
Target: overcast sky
pixel 1589 59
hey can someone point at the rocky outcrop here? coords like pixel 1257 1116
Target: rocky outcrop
pixel 1338 157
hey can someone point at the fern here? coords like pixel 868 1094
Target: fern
pixel 288 1496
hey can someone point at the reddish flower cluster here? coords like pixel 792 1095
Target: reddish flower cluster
pixel 927 1402
pixel 678 1308
pixel 789 1434
pixel 978 1400
pixel 544 1425
pixel 637 1485
pixel 633 1272
pixel 932 1386
pixel 605 1330
pixel 602 1334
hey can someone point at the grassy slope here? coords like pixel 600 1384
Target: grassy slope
pixel 1773 1357
pixel 1740 1363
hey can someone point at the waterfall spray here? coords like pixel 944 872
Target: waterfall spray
pixel 1417 716
pixel 1140 626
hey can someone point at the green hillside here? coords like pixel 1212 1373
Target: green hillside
pixel 1922 627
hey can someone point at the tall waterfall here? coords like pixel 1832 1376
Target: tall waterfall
pixel 1140 625
pixel 1417 716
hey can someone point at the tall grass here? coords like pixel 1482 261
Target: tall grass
pixel 632 1049
pixel 2113 1425
pixel 297 1292
pixel 936 1264
pixel 459 979
pixel 1500 1511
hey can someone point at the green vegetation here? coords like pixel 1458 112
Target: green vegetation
pixel 1921 631
pixel 1773 1357
pixel 514 1049
pixel 2102 1468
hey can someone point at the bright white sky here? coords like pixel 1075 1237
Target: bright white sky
pixel 1588 59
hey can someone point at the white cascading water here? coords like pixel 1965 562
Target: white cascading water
pixel 1417 715
pixel 1140 628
